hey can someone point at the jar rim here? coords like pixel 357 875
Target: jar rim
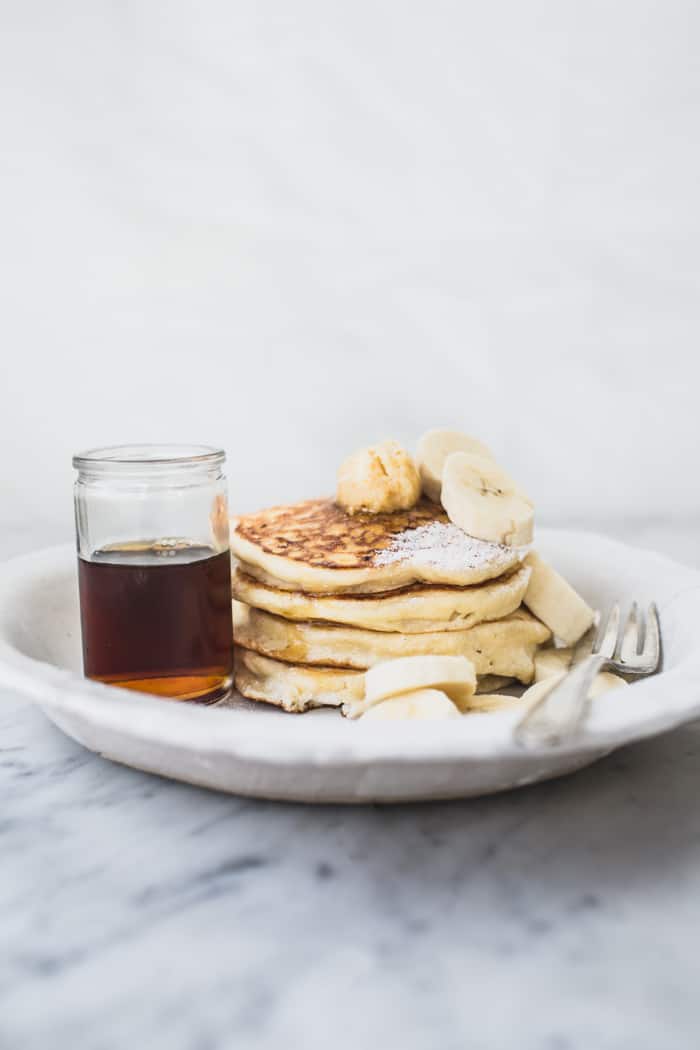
pixel 148 456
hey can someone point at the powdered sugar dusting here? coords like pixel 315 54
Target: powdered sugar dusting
pixel 444 546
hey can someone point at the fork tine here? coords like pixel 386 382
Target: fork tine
pixel 628 642
pixel 652 644
pixel 606 641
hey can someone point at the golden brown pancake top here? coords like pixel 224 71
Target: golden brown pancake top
pixel 319 532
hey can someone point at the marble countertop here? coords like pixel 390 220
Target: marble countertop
pixel 142 913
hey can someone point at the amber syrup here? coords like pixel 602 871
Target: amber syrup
pixel 156 618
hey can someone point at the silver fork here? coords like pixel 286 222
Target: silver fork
pixel 633 650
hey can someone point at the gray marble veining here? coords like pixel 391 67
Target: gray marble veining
pixel 139 912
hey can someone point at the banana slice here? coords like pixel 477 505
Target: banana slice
pixel 494 702
pixel 603 681
pixel 555 602
pixel 421 704
pixel 497 702
pixel 484 501
pixel 434 448
pixel 540 689
pixel 550 662
pixel 454 675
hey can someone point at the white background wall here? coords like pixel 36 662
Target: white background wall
pixel 294 228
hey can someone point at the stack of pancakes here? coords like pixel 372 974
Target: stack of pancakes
pixel 321 595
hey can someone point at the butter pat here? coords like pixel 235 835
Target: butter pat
pixel 379 479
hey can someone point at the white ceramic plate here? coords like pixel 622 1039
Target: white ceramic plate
pixel 251 749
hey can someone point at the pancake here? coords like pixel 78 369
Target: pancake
pixel 297 688
pixel 412 610
pixel 505 647
pixel 294 687
pixel 316 546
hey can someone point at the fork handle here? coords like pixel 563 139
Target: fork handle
pixel 560 714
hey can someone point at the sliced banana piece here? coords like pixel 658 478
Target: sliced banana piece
pixel 555 602
pixel 433 449
pixel 603 681
pixel 498 702
pixel 494 702
pixel 550 662
pixel 421 704
pixel 484 501
pixel 541 689
pixel 454 675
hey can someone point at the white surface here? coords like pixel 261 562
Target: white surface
pixel 293 230
pixel 251 749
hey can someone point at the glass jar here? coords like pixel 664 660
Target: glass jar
pixel 154 569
